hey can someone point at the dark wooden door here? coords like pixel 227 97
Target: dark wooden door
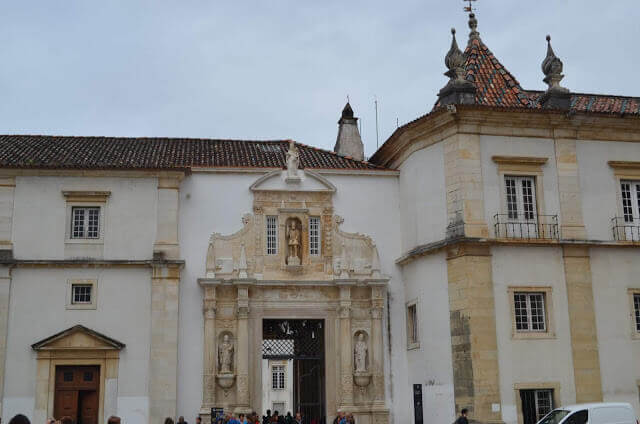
pixel 66 404
pixel 88 407
pixel 77 393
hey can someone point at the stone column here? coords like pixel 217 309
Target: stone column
pixel 166 243
pixel 474 343
pixel 209 366
pixel 571 220
pixel 242 363
pixel 163 369
pixel 376 344
pixel 5 288
pixel 346 349
pixel 582 322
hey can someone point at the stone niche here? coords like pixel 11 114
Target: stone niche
pixel 248 279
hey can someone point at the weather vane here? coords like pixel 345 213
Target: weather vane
pixel 470 7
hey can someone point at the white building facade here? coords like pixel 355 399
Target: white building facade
pixel 486 257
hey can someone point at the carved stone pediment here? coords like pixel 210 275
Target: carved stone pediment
pixel 292 234
pixel 77 337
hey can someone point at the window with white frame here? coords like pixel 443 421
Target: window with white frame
pixel 314 236
pixel 636 310
pixel 536 404
pixel 630 192
pixel 520 196
pixel 81 294
pixel 277 377
pixel 272 235
pixel 412 325
pixel 85 222
pixel 529 311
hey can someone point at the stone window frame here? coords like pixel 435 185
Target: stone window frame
pixel 623 170
pixel 633 291
pixel 85 199
pixel 94 294
pixel 545 385
pixel 415 343
pixel 521 166
pixel 547 291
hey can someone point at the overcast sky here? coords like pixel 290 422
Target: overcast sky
pixel 277 69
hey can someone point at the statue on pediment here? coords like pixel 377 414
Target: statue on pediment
pixel 225 356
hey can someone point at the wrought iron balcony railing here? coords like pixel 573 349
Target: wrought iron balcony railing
pixel 626 229
pixel 541 227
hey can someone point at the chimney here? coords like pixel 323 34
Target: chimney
pixel 349 142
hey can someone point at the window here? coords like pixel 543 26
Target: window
pixel 85 222
pixel 529 311
pixel 277 377
pixel 272 235
pixel 314 235
pixel 630 191
pixel 412 326
pixel 536 404
pixel 81 294
pixel 520 195
pixel 636 310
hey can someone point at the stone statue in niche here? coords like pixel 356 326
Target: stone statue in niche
pixel 293 161
pixel 225 356
pixel 294 241
pixel 360 354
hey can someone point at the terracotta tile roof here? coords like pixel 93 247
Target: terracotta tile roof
pixel 40 151
pixel 496 86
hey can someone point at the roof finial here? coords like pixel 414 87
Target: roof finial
pixel 458 90
pixel 454 60
pixel 556 96
pixel 473 22
pixel 552 69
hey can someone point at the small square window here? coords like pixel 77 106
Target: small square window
pixel 67 376
pixel 81 294
pixel 88 376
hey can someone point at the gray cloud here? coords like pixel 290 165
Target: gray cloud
pixel 267 69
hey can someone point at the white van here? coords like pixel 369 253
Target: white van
pixel 592 413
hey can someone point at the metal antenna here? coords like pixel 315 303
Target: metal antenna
pixel 375 102
pixel 470 7
pixel 347 98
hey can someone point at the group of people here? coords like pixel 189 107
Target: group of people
pixel 344 418
pixel 22 419
pixel 276 418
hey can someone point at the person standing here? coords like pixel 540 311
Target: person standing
pixel 267 418
pixel 181 420
pixel 462 419
pixel 298 419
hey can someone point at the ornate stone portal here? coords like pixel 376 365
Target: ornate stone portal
pixel 268 269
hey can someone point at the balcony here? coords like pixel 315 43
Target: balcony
pixel 626 229
pixel 539 227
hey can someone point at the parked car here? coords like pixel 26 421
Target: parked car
pixel 592 413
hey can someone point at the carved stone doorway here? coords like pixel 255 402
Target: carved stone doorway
pixel 300 340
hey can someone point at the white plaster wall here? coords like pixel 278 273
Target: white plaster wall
pixel 599 186
pixel 531 360
pixel 494 185
pixel 39 218
pixel 38 297
pixel 269 395
pixel 423 200
pixel 215 202
pixel 613 272
pixel 426 282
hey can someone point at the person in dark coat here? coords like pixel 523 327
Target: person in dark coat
pixel 462 419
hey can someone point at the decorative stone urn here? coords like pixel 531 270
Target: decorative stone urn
pixel 225 380
pixel 362 379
